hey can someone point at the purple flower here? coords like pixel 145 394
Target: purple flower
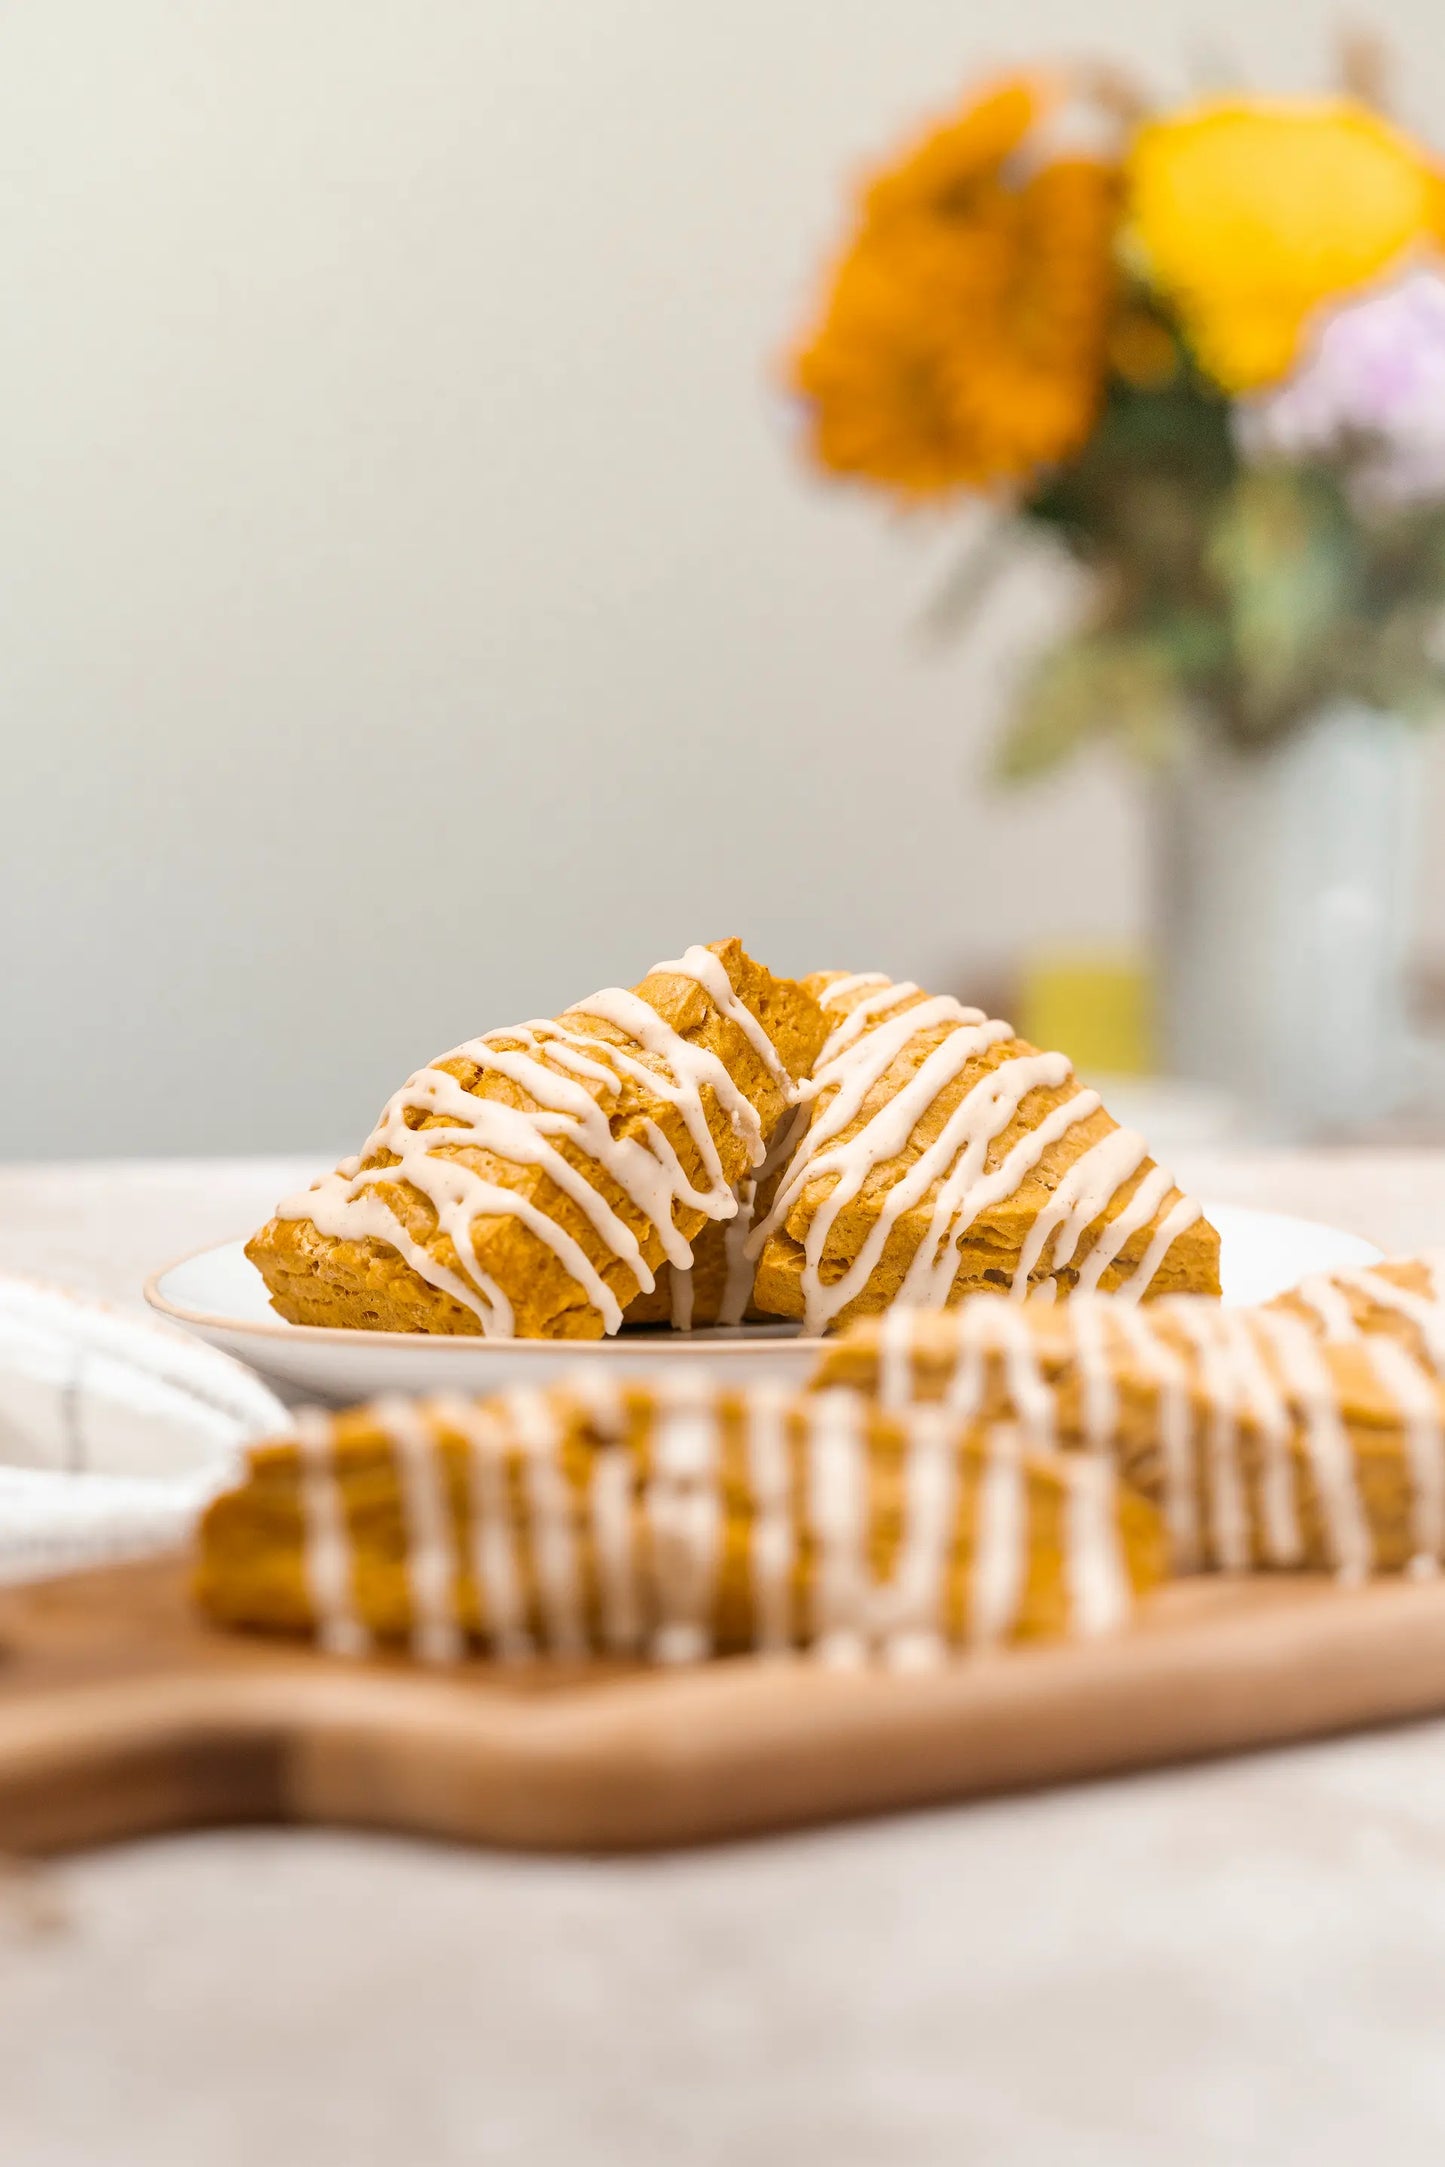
pixel 1372 384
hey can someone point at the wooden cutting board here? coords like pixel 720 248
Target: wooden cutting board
pixel 123 1713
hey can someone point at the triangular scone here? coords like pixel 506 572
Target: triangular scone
pixel 528 1183
pixel 1400 1298
pixel 633 1520
pixel 940 1155
pixel 1263 1443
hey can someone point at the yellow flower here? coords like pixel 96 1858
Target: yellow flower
pixel 1249 213
pixel 962 342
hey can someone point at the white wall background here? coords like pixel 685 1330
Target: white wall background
pixel 412 613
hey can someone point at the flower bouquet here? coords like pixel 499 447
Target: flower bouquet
pixel 1210 363
pixel 1204 352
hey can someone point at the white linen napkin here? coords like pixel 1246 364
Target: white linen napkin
pixel 114 1431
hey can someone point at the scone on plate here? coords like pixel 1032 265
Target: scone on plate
pixel 937 1154
pixel 1264 1444
pixel 671 1523
pixel 530 1183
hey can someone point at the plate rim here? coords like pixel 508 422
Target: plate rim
pixel 678 1344
pixel 457 1343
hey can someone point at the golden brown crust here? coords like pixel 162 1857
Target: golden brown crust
pixel 1225 1444
pixel 1341 1304
pixel 988 1252
pixel 251 1564
pixel 320 1279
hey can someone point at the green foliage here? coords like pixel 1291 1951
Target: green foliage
pixel 1098 684
pixel 1250 596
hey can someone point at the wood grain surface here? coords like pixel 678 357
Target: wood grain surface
pixel 123 1713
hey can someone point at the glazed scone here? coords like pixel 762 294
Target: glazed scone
pixel 1402 1298
pixel 937 1154
pixel 670 1525
pixel 529 1183
pixel 1263 1444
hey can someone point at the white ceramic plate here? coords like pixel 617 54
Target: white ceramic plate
pixel 222 1297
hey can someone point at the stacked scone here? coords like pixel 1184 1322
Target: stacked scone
pixel 1030 1408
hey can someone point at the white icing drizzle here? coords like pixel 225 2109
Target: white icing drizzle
pixel 326 1545
pixel 880 996
pixel 1175 1414
pixel 436 1633
pixel 838 1513
pixel 1427 1316
pixel 611 1510
pixel 706 970
pixel 493 1545
pixel 1098 1392
pixel 1309 1383
pixel 1119 1231
pixel 554 1063
pixel 987 1324
pixel 1270 1415
pixel 1098 1577
pixel 1417 1396
pixel 1176 1221
pixel 895 1359
pixel 1000 1538
pixel 910 1613
pixel 598 1395
pixel 884 1137
pixel 1084 1193
pixel 684 1519
pixel 773 1545
pixel 954 1166
pixel 1223 1389
pixel 1033 1397
pixel 853 1613
pixel 963 1395
pixel 737 1265
pixel 737 1270
pixel 538 1428
pixel 966 1189
pixel 1330 1304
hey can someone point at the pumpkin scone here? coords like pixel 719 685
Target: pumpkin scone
pixel 935 1153
pixel 530 1183
pixel 671 1524
pixel 1264 1444
pixel 1401 1298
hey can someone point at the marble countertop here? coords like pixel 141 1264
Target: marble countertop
pixel 1231 1966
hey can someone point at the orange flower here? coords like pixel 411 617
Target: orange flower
pixel 942 174
pixel 962 345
